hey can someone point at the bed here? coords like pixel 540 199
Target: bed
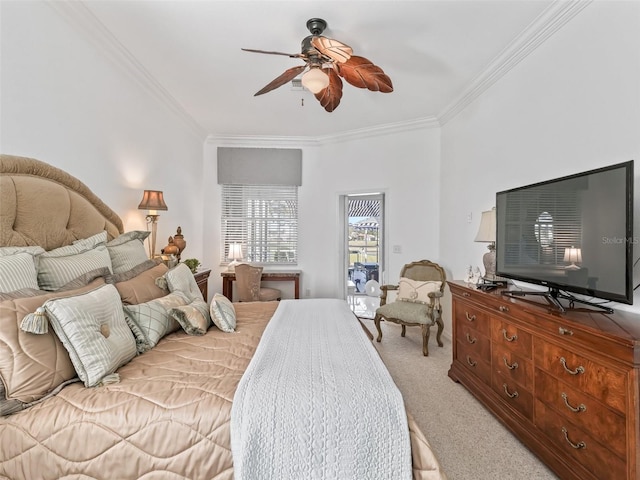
pixel 167 410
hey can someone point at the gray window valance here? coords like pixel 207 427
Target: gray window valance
pixel 259 166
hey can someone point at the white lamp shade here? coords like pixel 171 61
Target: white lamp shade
pixel 487 230
pixel 315 80
pixel 235 251
pixel 573 255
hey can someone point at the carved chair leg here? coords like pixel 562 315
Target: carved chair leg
pixel 404 330
pixel 376 320
pixel 440 330
pixel 425 339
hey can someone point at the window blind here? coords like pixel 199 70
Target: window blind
pixel 263 219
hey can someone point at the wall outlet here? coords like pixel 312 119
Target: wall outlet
pixel 307 292
pixel 469 217
pixel 397 249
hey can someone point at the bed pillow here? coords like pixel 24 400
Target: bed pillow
pixel 150 321
pixel 18 268
pixel 415 291
pixel 92 328
pixel 180 278
pixel 142 287
pixel 92 241
pixel 223 314
pixel 31 366
pixel 59 266
pixel 193 318
pixel 127 250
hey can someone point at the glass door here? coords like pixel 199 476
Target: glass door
pixel 364 251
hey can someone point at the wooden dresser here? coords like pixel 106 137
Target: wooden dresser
pixel 566 384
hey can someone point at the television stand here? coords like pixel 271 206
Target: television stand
pixel 553 296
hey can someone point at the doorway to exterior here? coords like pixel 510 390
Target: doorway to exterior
pixel 364 259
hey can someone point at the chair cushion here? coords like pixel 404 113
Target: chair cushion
pixel 269 294
pixel 407 312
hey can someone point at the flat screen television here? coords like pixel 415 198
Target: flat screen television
pixel 572 234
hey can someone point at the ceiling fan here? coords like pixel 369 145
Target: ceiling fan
pixel 326 60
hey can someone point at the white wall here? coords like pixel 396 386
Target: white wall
pixel 65 103
pixel 404 165
pixel 573 105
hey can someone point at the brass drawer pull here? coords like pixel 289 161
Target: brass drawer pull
pixel 513 366
pixel 578 445
pixel 564 331
pixel 471 362
pixel 580 408
pixel 470 339
pixel 506 390
pixel 578 370
pixel 471 318
pixel 509 339
pixel 502 308
pixel 465 294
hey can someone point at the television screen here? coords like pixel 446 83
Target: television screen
pixel 571 234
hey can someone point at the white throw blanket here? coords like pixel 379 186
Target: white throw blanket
pixel 316 402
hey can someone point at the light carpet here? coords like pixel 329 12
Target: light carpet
pixel 470 442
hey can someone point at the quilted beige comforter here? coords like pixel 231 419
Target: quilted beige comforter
pixel 168 418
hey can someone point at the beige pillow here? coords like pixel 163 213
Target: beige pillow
pixel 31 365
pixel 415 291
pixel 194 318
pixel 143 287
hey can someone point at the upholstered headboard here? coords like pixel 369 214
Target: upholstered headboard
pixel 45 206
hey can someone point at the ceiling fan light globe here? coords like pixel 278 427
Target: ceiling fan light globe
pixel 315 80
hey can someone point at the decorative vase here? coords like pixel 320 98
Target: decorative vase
pixel 179 241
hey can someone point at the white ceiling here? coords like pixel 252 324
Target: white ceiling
pixel 189 52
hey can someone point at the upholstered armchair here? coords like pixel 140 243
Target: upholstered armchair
pixel 248 282
pixel 417 301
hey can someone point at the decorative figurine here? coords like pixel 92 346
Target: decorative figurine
pixel 179 241
pixel 171 249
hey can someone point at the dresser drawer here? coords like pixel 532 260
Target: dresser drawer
pixel 583 411
pixel 578 445
pixel 473 317
pixel 605 384
pixel 475 342
pixel 474 361
pixel 516 396
pixel 506 334
pixel 512 366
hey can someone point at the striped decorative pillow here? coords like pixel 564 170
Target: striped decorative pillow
pixel 180 278
pixel 127 251
pixel 223 314
pixel 18 268
pixel 92 328
pixel 59 266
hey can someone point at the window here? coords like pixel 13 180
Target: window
pixel 263 219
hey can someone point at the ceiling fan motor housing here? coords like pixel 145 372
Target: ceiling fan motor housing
pixel 316 26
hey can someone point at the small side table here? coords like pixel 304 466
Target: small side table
pixel 202 279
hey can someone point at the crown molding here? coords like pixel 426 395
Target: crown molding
pixel 537 32
pixel 81 18
pixel 375 131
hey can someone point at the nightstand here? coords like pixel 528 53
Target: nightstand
pixel 202 279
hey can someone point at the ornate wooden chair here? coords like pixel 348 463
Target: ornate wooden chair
pixel 417 302
pixel 248 281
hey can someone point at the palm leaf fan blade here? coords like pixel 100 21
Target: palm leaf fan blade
pixel 287 76
pixel 330 96
pixel 362 73
pixel 335 50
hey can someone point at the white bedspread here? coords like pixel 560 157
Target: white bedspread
pixel 316 402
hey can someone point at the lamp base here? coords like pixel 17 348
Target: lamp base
pixel 232 266
pixel 489 261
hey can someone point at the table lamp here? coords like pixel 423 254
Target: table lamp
pixel 152 200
